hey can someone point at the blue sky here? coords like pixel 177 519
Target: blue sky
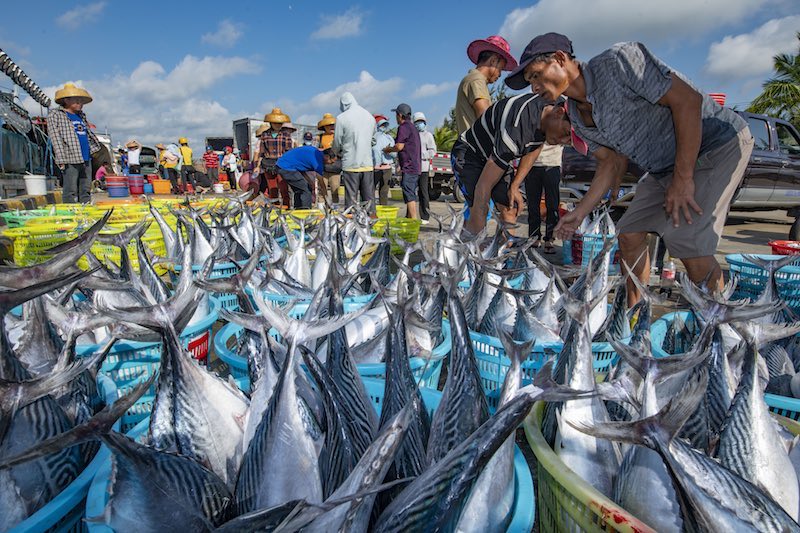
pixel 168 69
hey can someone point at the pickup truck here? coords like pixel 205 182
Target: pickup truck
pixel 443 180
pixel 771 180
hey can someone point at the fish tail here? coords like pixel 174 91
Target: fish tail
pixel 11 299
pixel 122 238
pixel 96 428
pixel 654 431
pixel 82 243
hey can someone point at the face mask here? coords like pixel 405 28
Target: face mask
pixel 420 126
pixel 306 143
pixel 383 128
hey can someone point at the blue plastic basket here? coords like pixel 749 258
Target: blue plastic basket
pixel 493 363
pixel 523 512
pixel 130 362
pixel 583 248
pixel 753 279
pixel 64 513
pixel 227 300
pixel 117 192
pixel 226 343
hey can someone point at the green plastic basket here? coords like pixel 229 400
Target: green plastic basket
pixel 405 228
pixel 565 501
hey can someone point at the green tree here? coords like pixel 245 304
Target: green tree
pixel 781 94
pixel 498 91
pixel 450 120
pixel 445 138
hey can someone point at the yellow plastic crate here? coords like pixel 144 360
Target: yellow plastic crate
pixel 405 228
pixel 30 242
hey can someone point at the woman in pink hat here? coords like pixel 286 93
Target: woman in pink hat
pixel 491 57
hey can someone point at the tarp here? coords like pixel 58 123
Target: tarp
pixel 19 155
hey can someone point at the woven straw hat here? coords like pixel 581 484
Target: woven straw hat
pixel 327 120
pixel 262 128
pixel 289 126
pixel 277 116
pixel 133 144
pixel 160 146
pixel 69 90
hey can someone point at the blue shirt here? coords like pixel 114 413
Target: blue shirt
pixel 302 159
pixel 624 85
pixel 80 131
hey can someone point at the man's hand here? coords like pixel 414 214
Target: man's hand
pixel 569 224
pixel 515 200
pixel 62 167
pixel 679 198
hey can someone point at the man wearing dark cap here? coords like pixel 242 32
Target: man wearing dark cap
pixel 511 128
pixel 409 154
pixel 626 103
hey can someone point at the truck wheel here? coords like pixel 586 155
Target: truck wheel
pixel 459 197
pixel 434 194
pixel 794 232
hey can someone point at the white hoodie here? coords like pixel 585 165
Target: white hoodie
pixel 352 136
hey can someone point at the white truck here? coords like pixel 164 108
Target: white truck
pixel 244 135
pixel 442 179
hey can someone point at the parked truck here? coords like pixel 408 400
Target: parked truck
pixel 218 144
pixel 443 180
pixel 244 135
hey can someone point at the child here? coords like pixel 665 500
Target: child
pixel 100 177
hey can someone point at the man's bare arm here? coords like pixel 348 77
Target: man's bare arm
pixel 685 104
pixel 480 106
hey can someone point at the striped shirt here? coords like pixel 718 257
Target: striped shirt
pixel 507 130
pixel 211 160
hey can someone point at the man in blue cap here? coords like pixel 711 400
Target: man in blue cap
pixel 626 103
pixel 409 155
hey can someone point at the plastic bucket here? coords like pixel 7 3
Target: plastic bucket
pixel 219 188
pixel 117 192
pixel 35 184
pixel 148 188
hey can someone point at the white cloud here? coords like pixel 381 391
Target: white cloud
pixel 80 15
pixel 154 105
pixel 371 93
pixel 602 23
pixel 348 24
pixel 750 54
pixel 426 90
pixel 376 96
pixel 226 35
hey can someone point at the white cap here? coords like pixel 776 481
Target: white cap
pixel 419 115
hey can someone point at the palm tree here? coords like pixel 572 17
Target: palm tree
pixel 781 94
pixel 445 138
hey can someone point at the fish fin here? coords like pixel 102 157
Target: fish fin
pixel 760 334
pixel 124 237
pixel 645 292
pixel 518 352
pixel 663 426
pixel 100 424
pixel 84 241
pixel 11 299
pixel 620 390
pixel 669 365
pixel 770 265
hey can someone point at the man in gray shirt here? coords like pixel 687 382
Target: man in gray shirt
pixel 626 103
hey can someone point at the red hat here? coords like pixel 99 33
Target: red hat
pixel 380 118
pixel 228 149
pixel 495 44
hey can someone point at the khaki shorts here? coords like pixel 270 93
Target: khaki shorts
pixel 717 174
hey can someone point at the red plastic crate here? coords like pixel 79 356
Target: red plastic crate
pixel 785 247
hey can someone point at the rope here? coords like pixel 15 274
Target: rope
pixel 13 71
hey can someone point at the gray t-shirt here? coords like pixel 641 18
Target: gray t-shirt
pixel 624 84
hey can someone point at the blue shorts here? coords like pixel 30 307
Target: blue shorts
pixel 410 184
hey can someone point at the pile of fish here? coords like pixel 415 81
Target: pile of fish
pixel 305 448
pixel 686 442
